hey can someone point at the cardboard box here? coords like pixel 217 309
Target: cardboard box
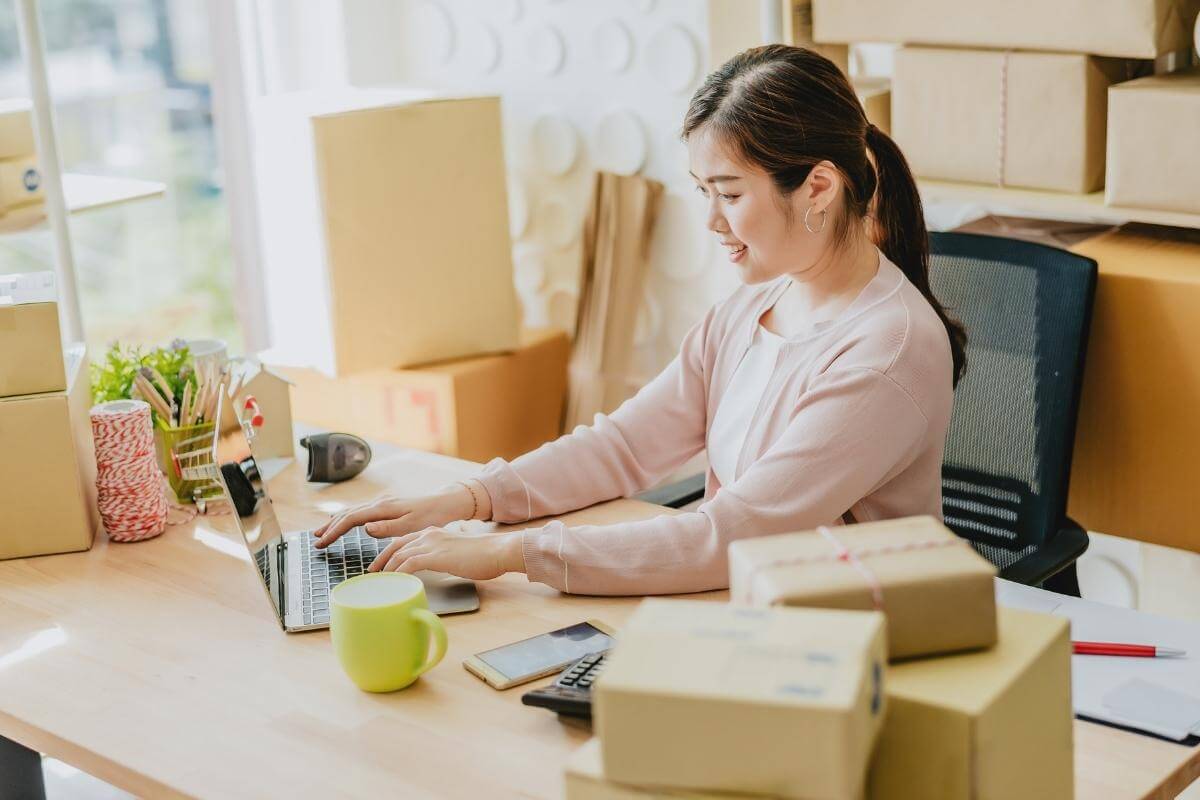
pixel 477 408
pixel 1153 127
pixel 16 128
pixel 875 94
pixel 48 468
pixel 30 338
pixel 20 182
pixel 736 25
pixel 1053 233
pixel 384 222
pixel 1035 120
pixel 1124 28
pixel 584 779
pixel 778 701
pixel 798 31
pixel 1134 468
pixel 937 593
pixel 989 725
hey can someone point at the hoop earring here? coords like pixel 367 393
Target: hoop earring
pixel 824 217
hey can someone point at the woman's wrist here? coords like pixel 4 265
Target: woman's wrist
pixel 469 500
pixel 482 501
pixel 512 551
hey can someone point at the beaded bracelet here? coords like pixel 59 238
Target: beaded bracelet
pixel 474 501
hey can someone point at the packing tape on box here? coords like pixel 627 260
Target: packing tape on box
pixel 1002 138
pixel 843 553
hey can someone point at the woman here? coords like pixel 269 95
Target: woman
pixel 821 388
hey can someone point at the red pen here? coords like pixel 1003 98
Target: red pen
pixel 1118 649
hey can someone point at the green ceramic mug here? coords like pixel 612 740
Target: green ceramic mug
pixel 381 625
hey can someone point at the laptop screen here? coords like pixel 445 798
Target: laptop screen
pixel 252 510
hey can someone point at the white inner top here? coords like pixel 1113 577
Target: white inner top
pixel 377 589
pixel 737 408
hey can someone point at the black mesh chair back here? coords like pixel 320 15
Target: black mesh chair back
pixel 1027 309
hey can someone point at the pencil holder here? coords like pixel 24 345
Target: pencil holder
pixel 183 453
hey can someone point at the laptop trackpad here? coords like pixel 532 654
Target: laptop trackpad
pixel 448 594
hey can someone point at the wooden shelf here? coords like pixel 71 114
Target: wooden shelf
pixel 83 193
pixel 1049 205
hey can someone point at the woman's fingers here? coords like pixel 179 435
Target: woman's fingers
pixel 345 522
pixel 390 550
pixel 384 528
pixel 403 556
pixel 415 563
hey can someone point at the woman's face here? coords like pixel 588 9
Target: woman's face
pixel 749 216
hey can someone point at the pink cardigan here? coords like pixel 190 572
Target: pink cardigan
pixel 853 419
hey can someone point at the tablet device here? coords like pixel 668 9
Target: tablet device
pixel 539 656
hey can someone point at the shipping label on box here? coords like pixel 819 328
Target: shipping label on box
pixel 936 592
pixel 716 697
pixel 20 182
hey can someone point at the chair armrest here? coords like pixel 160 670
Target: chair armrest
pixel 676 495
pixel 1056 554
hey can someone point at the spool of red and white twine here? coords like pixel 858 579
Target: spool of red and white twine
pixel 128 484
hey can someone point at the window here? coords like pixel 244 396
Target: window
pixel 130 82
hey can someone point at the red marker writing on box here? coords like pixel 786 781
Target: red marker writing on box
pixel 1118 649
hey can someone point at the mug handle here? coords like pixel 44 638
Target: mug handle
pixel 436 629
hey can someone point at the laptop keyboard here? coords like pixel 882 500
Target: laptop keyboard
pixel 324 569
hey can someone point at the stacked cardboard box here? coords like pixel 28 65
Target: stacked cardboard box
pixel 48 467
pixel 47 462
pixel 1018 93
pixel 703 698
pixel 1004 698
pixel 707 697
pixel 384 222
pixel 1033 120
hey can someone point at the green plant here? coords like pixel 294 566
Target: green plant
pixel 113 376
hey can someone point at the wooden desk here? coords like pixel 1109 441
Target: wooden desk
pixel 159 667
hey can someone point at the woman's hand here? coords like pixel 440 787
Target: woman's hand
pixel 479 558
pixel 395 516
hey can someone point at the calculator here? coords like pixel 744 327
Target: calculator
pixel 571 694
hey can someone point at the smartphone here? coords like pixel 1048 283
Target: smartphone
pixel 539 656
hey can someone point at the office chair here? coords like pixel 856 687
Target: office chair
pixel 1005 474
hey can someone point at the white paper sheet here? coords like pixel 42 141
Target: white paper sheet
pixel 1123 689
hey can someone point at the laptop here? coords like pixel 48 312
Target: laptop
pixel 297 577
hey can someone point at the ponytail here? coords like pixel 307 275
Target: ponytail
pixel 900 226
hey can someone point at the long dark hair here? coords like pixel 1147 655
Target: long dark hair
pixel 786 109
